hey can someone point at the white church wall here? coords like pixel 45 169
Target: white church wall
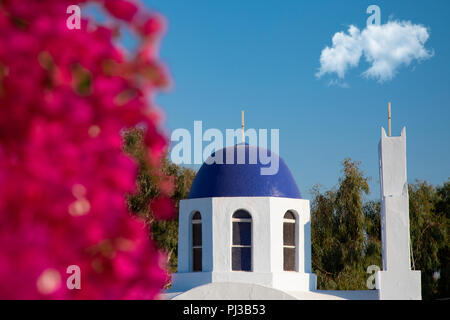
pixel 396 285
pixel 184 281
pixel 187 208
pixel 250 291
pixel 267 243
pixel 232 291
pixel 336 295
pixel 223 209
pixel 294 281
pixel 301 209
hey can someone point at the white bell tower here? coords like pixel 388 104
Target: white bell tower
pixel 397 280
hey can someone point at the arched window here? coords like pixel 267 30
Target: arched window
pixel 196 241
pixel 241 248
pixel 289 246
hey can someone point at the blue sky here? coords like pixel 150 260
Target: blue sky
pixel 262 56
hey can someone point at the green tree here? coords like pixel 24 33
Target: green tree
pixel 165 233
pixel 443 211
pixel 344 231
pixel 372 231
pixel 428 210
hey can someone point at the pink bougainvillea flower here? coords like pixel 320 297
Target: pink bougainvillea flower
pixel 66 95
pixel 162 208
pixel 153 25
pixel 121 9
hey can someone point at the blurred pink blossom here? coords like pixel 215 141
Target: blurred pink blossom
pixel 65 97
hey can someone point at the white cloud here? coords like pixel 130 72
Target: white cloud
pixel 386 47
pixel 345 52
pixel 338 83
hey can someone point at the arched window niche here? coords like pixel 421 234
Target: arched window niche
pixel 196 241
pixel 241 247
pixel 289 241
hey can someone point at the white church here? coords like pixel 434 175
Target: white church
pixel 247 236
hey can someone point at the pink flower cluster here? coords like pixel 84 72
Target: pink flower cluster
pixel 65 97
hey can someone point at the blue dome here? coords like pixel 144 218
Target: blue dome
pixel 243 180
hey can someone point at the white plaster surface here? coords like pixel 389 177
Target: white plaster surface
pixel 267 243
pixel 248 291
pixel 233 291
pixel 394 285
pixel 397 280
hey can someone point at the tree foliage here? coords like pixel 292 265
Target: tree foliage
pixel 344 232
pixel 164 232
pixel 429 214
